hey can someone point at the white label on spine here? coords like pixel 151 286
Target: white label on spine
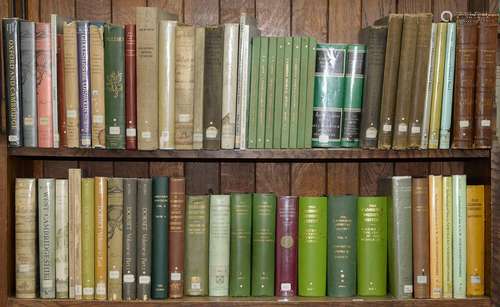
pixel 415 129
pixel 408 289
pixel 86 142
pixel 114 274
pixel 146 134
pixel 286 286
pixel 13 138
pixel 371 133
pixel 23 268
pixel 195 286
pixel 71 113
pixel 422 279
pixel 184 118
pixel 475 279
pixel 175 276
pixel 403 127
pixel 144 279
pixel 88 291
pixel 114 130
pixel 131 132
pixel 100 289
pixel 128 278
pixel 485 123
pixel 387 128
pixel 323 138
pixel 463 123
pixel 98 119
pixel 28 121
pixel 78 290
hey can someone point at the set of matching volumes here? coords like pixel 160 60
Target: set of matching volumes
pixel 128 238
pixel 429 85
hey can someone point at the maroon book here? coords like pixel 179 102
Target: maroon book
pixel 61 107
pixel 130 88
pixel 286 246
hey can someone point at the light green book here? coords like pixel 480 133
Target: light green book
pixel 261 111
pixel 278 94
pixel 254 94
pixel 447 238
pixel 449 74
pixel 311 67
pixel 459 183
pixel 219 240
pixel 294 92
pixel 271 85
pixel 88 238
pixel 287 83
pixel 304 61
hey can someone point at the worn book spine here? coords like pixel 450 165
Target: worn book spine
pixel 420 239
pixel 56 28
pixel 287 79
pixel 25 237
pixel 436 235
pixel 114 74
pixel 115 238
pixel 61 103
pixel 449 75
pixel 176 224
pixel 75 233
pixel 199 71
pixel 278 92
pixel 88 238
pixel 229 85
pixel 61 229
pixel 329 98
pixel 294 92
pixel 28 80
pixel 97 83
pixel 47 237
pixel 44 85
pixel 219 241
pixel 311 68
pixel 459 204
pixel 253 104
pixel 475 240
pixel 271 88
pixel 160 244
pixel 241 244
pixel 341 250
pixel 130 88
pixel 71 92
pixel 303 80
pixel 262 93
pixel 447 238
pixel 196 246
pixel 426 117
pixel 129 265
pixel 82 34
pixel 144 238
pixel 374 70
pixel 13 83
pixel 101 237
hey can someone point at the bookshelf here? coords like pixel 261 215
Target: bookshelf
pixel 304 172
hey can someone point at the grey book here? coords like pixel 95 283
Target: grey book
pixel 28 82
pixel 144 207
pixel 47 237
pixel 129 238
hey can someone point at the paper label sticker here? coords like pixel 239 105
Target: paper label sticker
pixel 184 118
pixel 43 120
pixel 475 279
pixel 128 278
pixel 211 132
pixel 131 132
pixel 144 279
pixel 175 276
pixel 286 286
pixel 86 141
pixel 146 134
pixel 23 268
pixel 422 279
pixel 100 289
pixel 387 128
pixel 408 289
pixel 114 274
pixel 78 290
pixel 13 138
pixel 28 121
pixel 402 127
pixel 195 286
pixel 463 123
pixel 88 291
pixel 415 129
pixel 114 130
pixel 371 133
pixel 98 119
pixel 485 123
pixel 323 138
pixel 47 283
pixel 71 113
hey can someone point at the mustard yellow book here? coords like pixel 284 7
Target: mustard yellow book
pixel 447 237
pixel 436 234
pixel 101 236
pixel 475 240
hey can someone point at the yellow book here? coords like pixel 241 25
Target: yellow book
pixel 436 234
pixel 475 240
pixel 101 236
pixel 447 237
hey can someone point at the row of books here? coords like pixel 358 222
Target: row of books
pixel 128 238
pixel 430 85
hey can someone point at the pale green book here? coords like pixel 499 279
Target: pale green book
pixel 459 235
pixel 219 240
pixel 88 238
pixel 447 238
pixel 449 74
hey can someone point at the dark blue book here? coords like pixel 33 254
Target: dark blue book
pixel 82 35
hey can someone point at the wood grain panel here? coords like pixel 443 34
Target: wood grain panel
pixel 58 168
pixel 123 11
pixel 310 17
pixel 96 168
pixel 201 12
pixel 131 169
pixel 414 169
pixel 32 10
pixel 93 10
pixel 237 177
pixel 446 168
pixel 272 177
pixel 372 10
pixel 414 6
pixel 308 179
pixel 171 6
pixel 453 6
pixel 343 178
pixel 64 8
pixel 344 21
pixel 230 10
pixel 369 175
pixel 202 178
pixel 174 169
pixel 273 17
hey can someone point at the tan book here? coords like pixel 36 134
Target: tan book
pixel 97 85
pixel 75 233
pixel 229 85
pixel 436 235
pixel 71 97
pixel 199 70
pixel 115 238
pixel 101 237
pixel 184 86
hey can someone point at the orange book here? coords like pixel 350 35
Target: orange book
pixel 101 237
pixel 436 235
pixel 475 240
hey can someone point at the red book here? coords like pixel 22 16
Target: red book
pixel 286 246
pixel 44 85
pixel 61 108
pixel 177 208
pixel 130 88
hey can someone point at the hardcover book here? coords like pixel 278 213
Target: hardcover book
pixel 426 117
pixel 75 233
pixel 287 86
pixel 61 103
pixel 101 237
pixel 85 97
pixel 229 85
pixel 97 83
pixel 61 208
pixel 295 86
pixel 56 29
pixel 144 238
pixel 219 240
pixel 44 85
pixel 253 104
pixel 130 88
pixel 449 75
pixel 71 93
pixel 115 238
pixel 436 235
pixel 271 89
pixel 475 240
pixel 447 238
pixel 420 239
pixel 262 92
pixel 199 87
pixel 278 92
pixel 129 265
pixel 88 239
pixel 311 68
pixel 176 224
pixel 47 237
pixel 28 79
pixel 459 204
pixel 160 244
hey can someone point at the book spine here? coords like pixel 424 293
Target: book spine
pixel 71 92
pixel 199 71
pixel 475 240
pixel 262 93
pixel 449 75
pixel 144 235
pixel 101 237
pixel 303 80
pixel 426 118
pixel 176 225
pixel 229 85
pixel 28 79
pixel 278 94
pixel 55 29
pixel 271 85
pixel 130 88
pixel 312 238
pixel 327 110
pixel 447 238
pixel 129 265
pixel 253 104
pixel 241 245
pixel 97 84
pixel 294 92
pixel 82 34
pixel 47 237
pixel 311 68
pixel 459 210
pixel 88 239
pixel 219 240
pixel 420 223
pixel 61 230
pixel 287 79
pixel 436 235
pixel 44 85
pixel 160 244
pixel 114 75
pixel 25 237
pixel 61 103
pixel 115 238
pixel 75 233
pixel 196 246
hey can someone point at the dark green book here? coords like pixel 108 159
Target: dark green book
pixel 304 62
pixel 261 111
pixel 294 92
pixel 311 67
pixel 271 85
pixel 241 244
pixel 278 94
pixel 114 88
pixel 263 240
pixel 342 227
pixel 159 255
pixel 254 94
pixel 287 85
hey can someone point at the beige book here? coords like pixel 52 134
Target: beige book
pixel 97 85
pixel 229 85
pixel 166 78
pixel 115 238
pixel 75 233
pixel 199 62
pixel 101 237
pixel 71 97
pixel 62 238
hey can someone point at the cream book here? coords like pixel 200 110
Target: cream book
pixel 229 85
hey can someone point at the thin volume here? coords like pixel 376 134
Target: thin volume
pixel 84 89
pixel 44 85
pixel 28 77
pixel 129 238
pixel 279 91
pixel 71 85
pixel 97 83
pixel 130 88
pixel 61 207
pixel 449 75
pixel 160 244
pixel 219 240
pixel 271 89
pixel 253 103
pixel 426 117
pixel 56 29
pixel 88 238
pixel 447 238
pixel 176 224
pixel 199 87
pixel 262 92
pixel 144 236
pixel 420 239
pixel 61 103
pixel 229 85
pixel 459 210
pixel 47 237
pixel 311 68
pixel 75 233
pixel 101 237
pixel 115 238
pixel 436 235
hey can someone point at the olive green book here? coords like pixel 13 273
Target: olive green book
pixel 88 238
pixel 254 94
pixel 271 85
pixel 311 67
pixel 295 92
pixel 303 80
pixel 262 96
pixel 115 238
pixel 278 94
pixel 287 83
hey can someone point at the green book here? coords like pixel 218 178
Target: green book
pixel 295 92
pixel 254 94
pixel 263 243
pixel 278 94
pixel 353 100
pixel 329 91
pixel 459 209
pixel 88 238
pixel 114 89
pixel 261 111
pixel 271 85
pixel 219 241
pixel 159 249
pixel 311 67
pixel 342 226
pixel 241 244
pixel 287 86
pixel 312 246
pixel 196 246
pixel 304 71
pixel 372 246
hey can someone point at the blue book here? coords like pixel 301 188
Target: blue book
pixel 82 35
pixel 28 77
pixel 449 74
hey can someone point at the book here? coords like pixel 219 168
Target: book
pixel 329 98
pixel 312 246
pixel 420 239
pixel 229 85
pixel 84 86
pixel 130 87
pixel 199 87
pixel 144 238
pixel 475 240
pixel 436 235
pixel 75 232
pixel 114 74
pixel 271 89
pixel 47 237
pixel 25 237
pixel 44 85
pixel 129 265
pixel 61 104
pixel 294 91
pixel 287 86
pixel 311 67
pixel 28 83
pixel 115 238
pixel 262 93
pixel 101 237
pixel 241 244
pixel 448 79
pixel 196 245
pixel 176 224
pixel 426 118
pixel 253 103
pixel 447 238
pixel 71 92
pixel 303 80
pixel 88 238
pixel 56 29
pixel 353 99
pixel 98 82
pixel 459 222
pixel 341 252
pixel 278 92
pixel 219 240
pixel 61 230
pixel 263 240
pixel 160 244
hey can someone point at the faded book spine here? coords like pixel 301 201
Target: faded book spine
pixel 62 238
pixel 199 71
pixel 449 75
pixel 459 212
pixel 47 237
pixel 75 233
pixel 420 237
pixel 88 239
pixel 447 238
pixel 129 265
pixel 229 85
pixel 61 103
pixel 101 237
pixel 144 208
pixel 82 34
pixel 71 85
pixel 44 85
pixel 115 238
pixel 28 79
pixel 96 36
pixel 130 88
pixel 426 117
pixel 436 235
pixel 176 225
pixel 219 234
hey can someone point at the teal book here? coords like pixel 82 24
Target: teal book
pixel 459 221
pixel 449 74
pixel 311 68
pixel 304 61
pixel 278 93
pixel 159 253
pixel 287 84
pixel 261 111
pixel 254 94
pixel 219 241
pixel 271 85
pixel 294 92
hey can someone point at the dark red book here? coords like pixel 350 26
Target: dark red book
pixel 177 209
pixel 130 88
pixel 61 107
pixel 286 246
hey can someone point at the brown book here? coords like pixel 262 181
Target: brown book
pixel 465 73
pixel 420 221
pixel 485 79
pixel 177 208
pixel 130 88
pixel 61 112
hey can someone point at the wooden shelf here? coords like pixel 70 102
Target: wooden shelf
pixel 253 154
pixel 261 302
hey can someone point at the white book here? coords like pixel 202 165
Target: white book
pixel 62 238
pixel 219 240
pixel 428 92
pixel 75 233
pixel 47 237
pixel 229 85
